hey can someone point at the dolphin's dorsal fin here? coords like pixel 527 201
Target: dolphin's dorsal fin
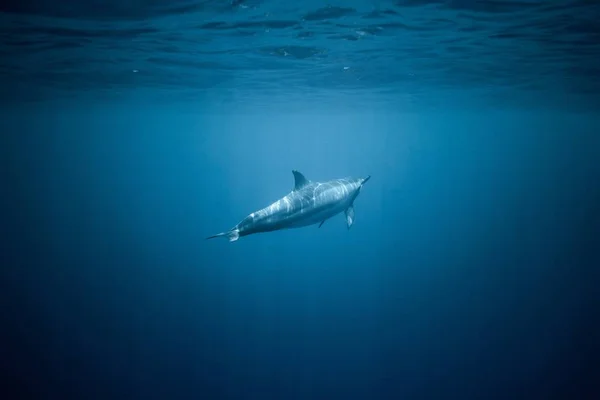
pixel 299 180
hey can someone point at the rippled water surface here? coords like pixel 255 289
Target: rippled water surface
pixel 389 54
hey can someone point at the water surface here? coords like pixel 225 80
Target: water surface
pixel 382 54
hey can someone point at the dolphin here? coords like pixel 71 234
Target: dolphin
pixel 308 203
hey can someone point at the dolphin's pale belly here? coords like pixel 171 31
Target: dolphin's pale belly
pixel 313 216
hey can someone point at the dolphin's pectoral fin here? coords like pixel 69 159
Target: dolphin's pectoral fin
pixel 322 222
pixel 299 180
pixel 349 216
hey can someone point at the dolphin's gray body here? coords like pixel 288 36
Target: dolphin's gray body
pixel 307 204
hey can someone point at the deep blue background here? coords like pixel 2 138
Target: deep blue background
pixel 132 130
pixel 467 272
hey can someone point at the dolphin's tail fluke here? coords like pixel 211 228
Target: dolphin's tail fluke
pixel 232 235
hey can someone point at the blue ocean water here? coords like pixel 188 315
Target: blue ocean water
pixel 133 130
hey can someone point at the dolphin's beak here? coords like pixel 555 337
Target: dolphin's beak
pixel 366 179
